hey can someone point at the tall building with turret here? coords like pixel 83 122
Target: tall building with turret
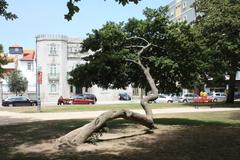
pixel 57 55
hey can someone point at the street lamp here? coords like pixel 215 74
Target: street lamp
pixel 38 81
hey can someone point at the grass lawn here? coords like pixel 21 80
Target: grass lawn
pixel 74 108
pixel 182 136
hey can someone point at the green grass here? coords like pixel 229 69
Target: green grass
pixel 74 108
pixel 197 136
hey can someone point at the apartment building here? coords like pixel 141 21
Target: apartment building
pixel 181 10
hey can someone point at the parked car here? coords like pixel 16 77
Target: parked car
pixel 164 99
pixel 90 96
pixel 18 101
pixel 124 97
pixel 187 97
pixel 218 96
pixel 78 99
pixel 203 99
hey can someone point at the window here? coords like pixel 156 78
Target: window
pixel 184 5
pixel 53 50
pixel 53 88
pixel 135 91
pixel 53 69
pixel 185 17
pixel 29 66
pixel 78 90
pixel 71 89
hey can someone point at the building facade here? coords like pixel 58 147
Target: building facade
pixel 57 55
pixel 181 10
pixel 24 61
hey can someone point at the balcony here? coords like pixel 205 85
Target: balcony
pixel 73 55
pixel 53 76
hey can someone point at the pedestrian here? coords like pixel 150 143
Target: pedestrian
pixel 60 101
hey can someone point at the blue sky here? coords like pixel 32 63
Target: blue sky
pixel 46 17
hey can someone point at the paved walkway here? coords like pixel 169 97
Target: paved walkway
pixel 14 118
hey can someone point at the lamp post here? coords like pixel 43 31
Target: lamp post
pixel 38 82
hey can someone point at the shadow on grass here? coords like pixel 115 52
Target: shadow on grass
pixel 235 116
pixel 182 144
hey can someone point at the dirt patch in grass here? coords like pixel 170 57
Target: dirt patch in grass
pixel 35 141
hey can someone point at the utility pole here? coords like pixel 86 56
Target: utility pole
pixel 38 82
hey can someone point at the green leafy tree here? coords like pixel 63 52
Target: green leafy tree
pixel 3 61
pixel 17 83
pixel 219 25
pixel 3 11
pixel 152 53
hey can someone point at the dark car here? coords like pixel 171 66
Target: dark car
pixel 124 97
pixel 18 101
pixel 90 96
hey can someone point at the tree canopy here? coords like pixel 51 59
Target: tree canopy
pixel 3 11
pixel 17 83
pixel 172 57
pixel 219 25
pixel 3 61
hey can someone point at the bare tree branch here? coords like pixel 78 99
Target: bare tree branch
pixel 138 38
pixel 130 60
pixel 134 46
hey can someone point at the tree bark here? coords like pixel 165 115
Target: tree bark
pixel 81 135
pixel 231 88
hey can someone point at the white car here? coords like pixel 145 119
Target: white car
pixel 164 99
pixel 218 96
pixel 187 97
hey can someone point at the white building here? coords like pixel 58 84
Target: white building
pixel 24 61
pixel 181 10
pixel 57 55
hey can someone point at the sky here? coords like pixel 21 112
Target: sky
pixel 47 17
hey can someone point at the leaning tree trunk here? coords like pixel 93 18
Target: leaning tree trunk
pixel 81 135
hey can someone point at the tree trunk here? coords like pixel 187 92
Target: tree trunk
pixel 81 135
pixel 231 88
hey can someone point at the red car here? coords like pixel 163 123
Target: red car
pixel 78 99
pixel 204 99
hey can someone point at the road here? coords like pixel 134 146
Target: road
pixel 7 118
